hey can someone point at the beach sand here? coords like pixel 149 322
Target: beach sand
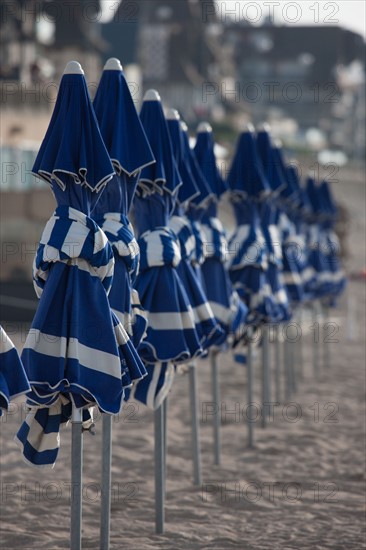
pixel 301 487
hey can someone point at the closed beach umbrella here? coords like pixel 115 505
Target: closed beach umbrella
pixel 228 309
pixel 320 284
pixel 248 263
pixel 129 151
pixel 270 225
pixel 77 352
pixel 225 303
pixel 171 335
pixel 290 226
pixel 331 244
pixel 208 329
pixel 13 380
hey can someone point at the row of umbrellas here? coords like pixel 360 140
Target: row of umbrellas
pixel 122 309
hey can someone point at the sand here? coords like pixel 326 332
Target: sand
pixel 302 487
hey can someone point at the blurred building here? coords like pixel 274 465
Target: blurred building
pixel 37 39
pixel 178 46
pixel 294 72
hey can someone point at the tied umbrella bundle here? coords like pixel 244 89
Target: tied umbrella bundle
pixel 77 353
pixel 230 312
pixel 171 337
pixel 291 227
pixel 248 266
pixel 207 327
pixel 330 244
pixel 130 152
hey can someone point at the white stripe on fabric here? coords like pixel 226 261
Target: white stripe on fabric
pixel 171 321
pixel 75 240
pixel 5 343
pixel 281 297
pixel 71 348
pixel 166 387
pixel 276 241
pixel 292 278
pixel 220 312
pixel 240 235
pixel 49 227
pixel 308 274
pixel 202 312
pixel 155 247
pixel 36 436
pixel 150 397
pixel 121 335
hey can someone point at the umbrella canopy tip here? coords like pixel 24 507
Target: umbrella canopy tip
pixel 277 143
pixel 152 95
pixel 113 64
pixel 73 67
pixel 264 127
pixel 204 127
pixel 249 128
pixel 172 114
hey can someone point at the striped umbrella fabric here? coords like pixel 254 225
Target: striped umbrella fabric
pixel 248 265
pixel 207 328
pixel 224 300
pixel 295 209
pixel 320 283
pixel 129 149
pixel 77 352
pixel 330 242
pixel 13 379
pixel 171 335
pixel 290 226
pixel 270 225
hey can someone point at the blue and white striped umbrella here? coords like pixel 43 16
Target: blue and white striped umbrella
pixel 270 225
pixel 224 300
pixel 208 329
pixel 130 152
pixel 248 264
pixel 298 210
pixel 197 206
pixel 320 282
pixel 171 334
pixel 13 379
pixel 291 228
pixel 77 352
pixel 330 242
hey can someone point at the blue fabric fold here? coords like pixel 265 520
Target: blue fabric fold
pixel 73 145
pixel 13 379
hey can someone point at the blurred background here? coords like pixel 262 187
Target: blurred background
pixel 300 66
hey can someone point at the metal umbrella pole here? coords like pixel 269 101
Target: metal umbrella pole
pixel 327 341
pixel 300 345
pixel 265 375
pixel 76 477
pixel 316 341
pixel 165 438
pixel 159 470
pixel 277 372
pixel 217 403
pixel 193 393
pixel 105 511
pixel 250 391
pixel 287 367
